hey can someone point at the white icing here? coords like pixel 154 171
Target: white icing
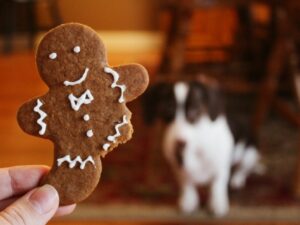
pixel 85 98
pixel 53 55
pixel 116 77
pixel 72 163
pixel 112 138
pixel 43 115
pixel 86 117
pixel 89 133
pixel 76 49
pixel 106 146
pixel 82 78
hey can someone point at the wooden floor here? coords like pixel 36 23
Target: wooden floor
pixel 175 223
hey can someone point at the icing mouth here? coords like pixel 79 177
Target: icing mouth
pixel 79 81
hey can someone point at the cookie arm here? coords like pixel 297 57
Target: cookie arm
pixel 31 118
pixel 135 78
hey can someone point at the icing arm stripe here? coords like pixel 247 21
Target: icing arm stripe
pixel 116 77
pixel 43 115
pixel 83 77
pixel 72 163
pixel 112 138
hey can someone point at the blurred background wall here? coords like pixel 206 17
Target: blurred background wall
pixel 107 15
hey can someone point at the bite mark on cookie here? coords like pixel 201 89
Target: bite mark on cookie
pixel 112 138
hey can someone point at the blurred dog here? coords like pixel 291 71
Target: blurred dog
pixel 200 143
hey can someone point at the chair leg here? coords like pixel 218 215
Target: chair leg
pixel 269 86
pixel 32 23
pixel 9 24
pixel 55 13
pixel 173 56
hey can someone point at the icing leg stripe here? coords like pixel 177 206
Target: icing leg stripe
pixel 83 77
pixel 72 163
pixel 85 98
pixel 114 84
pixel 112 138
pixel 43 115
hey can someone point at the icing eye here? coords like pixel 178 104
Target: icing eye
pixel 53 55
pixel 76 49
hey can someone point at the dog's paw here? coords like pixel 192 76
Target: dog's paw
pixel 189 201
pixel 219 208
pixel 238 181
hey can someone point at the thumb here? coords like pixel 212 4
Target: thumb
pixel 35 208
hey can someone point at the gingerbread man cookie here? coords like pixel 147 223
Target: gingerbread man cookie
pixel 84 112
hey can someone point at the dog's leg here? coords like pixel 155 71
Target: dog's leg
pixel 218 202
pixel 248 163
pixel 189 198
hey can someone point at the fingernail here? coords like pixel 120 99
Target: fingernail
pixel 44 199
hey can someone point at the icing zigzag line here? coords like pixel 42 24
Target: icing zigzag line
pixel 114 84
pixel 112 138
pixel 72 163
pixel 43 115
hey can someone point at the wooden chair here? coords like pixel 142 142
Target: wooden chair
pixel 284 60
pixel 268 60
pixel 215 39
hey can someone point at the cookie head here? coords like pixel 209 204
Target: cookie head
pixel 67 51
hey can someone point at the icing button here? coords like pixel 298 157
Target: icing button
pixel 89 133
pixel 86 117
pixel 76 49
pixel 53 55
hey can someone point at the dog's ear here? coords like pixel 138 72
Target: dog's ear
pixel 215 102
pixel 159 103
pixel 150 102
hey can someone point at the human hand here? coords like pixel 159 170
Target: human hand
pixel 37 206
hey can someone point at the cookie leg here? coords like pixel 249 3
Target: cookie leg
pixel 74 177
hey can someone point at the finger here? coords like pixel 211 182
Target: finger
pixel 20 179
pixel 61 211
pixel 35 208
pixel 7 202
pixel 65 210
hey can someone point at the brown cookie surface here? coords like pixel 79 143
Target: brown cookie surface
pixel 84 112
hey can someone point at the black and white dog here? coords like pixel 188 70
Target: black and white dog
pixel 200 143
